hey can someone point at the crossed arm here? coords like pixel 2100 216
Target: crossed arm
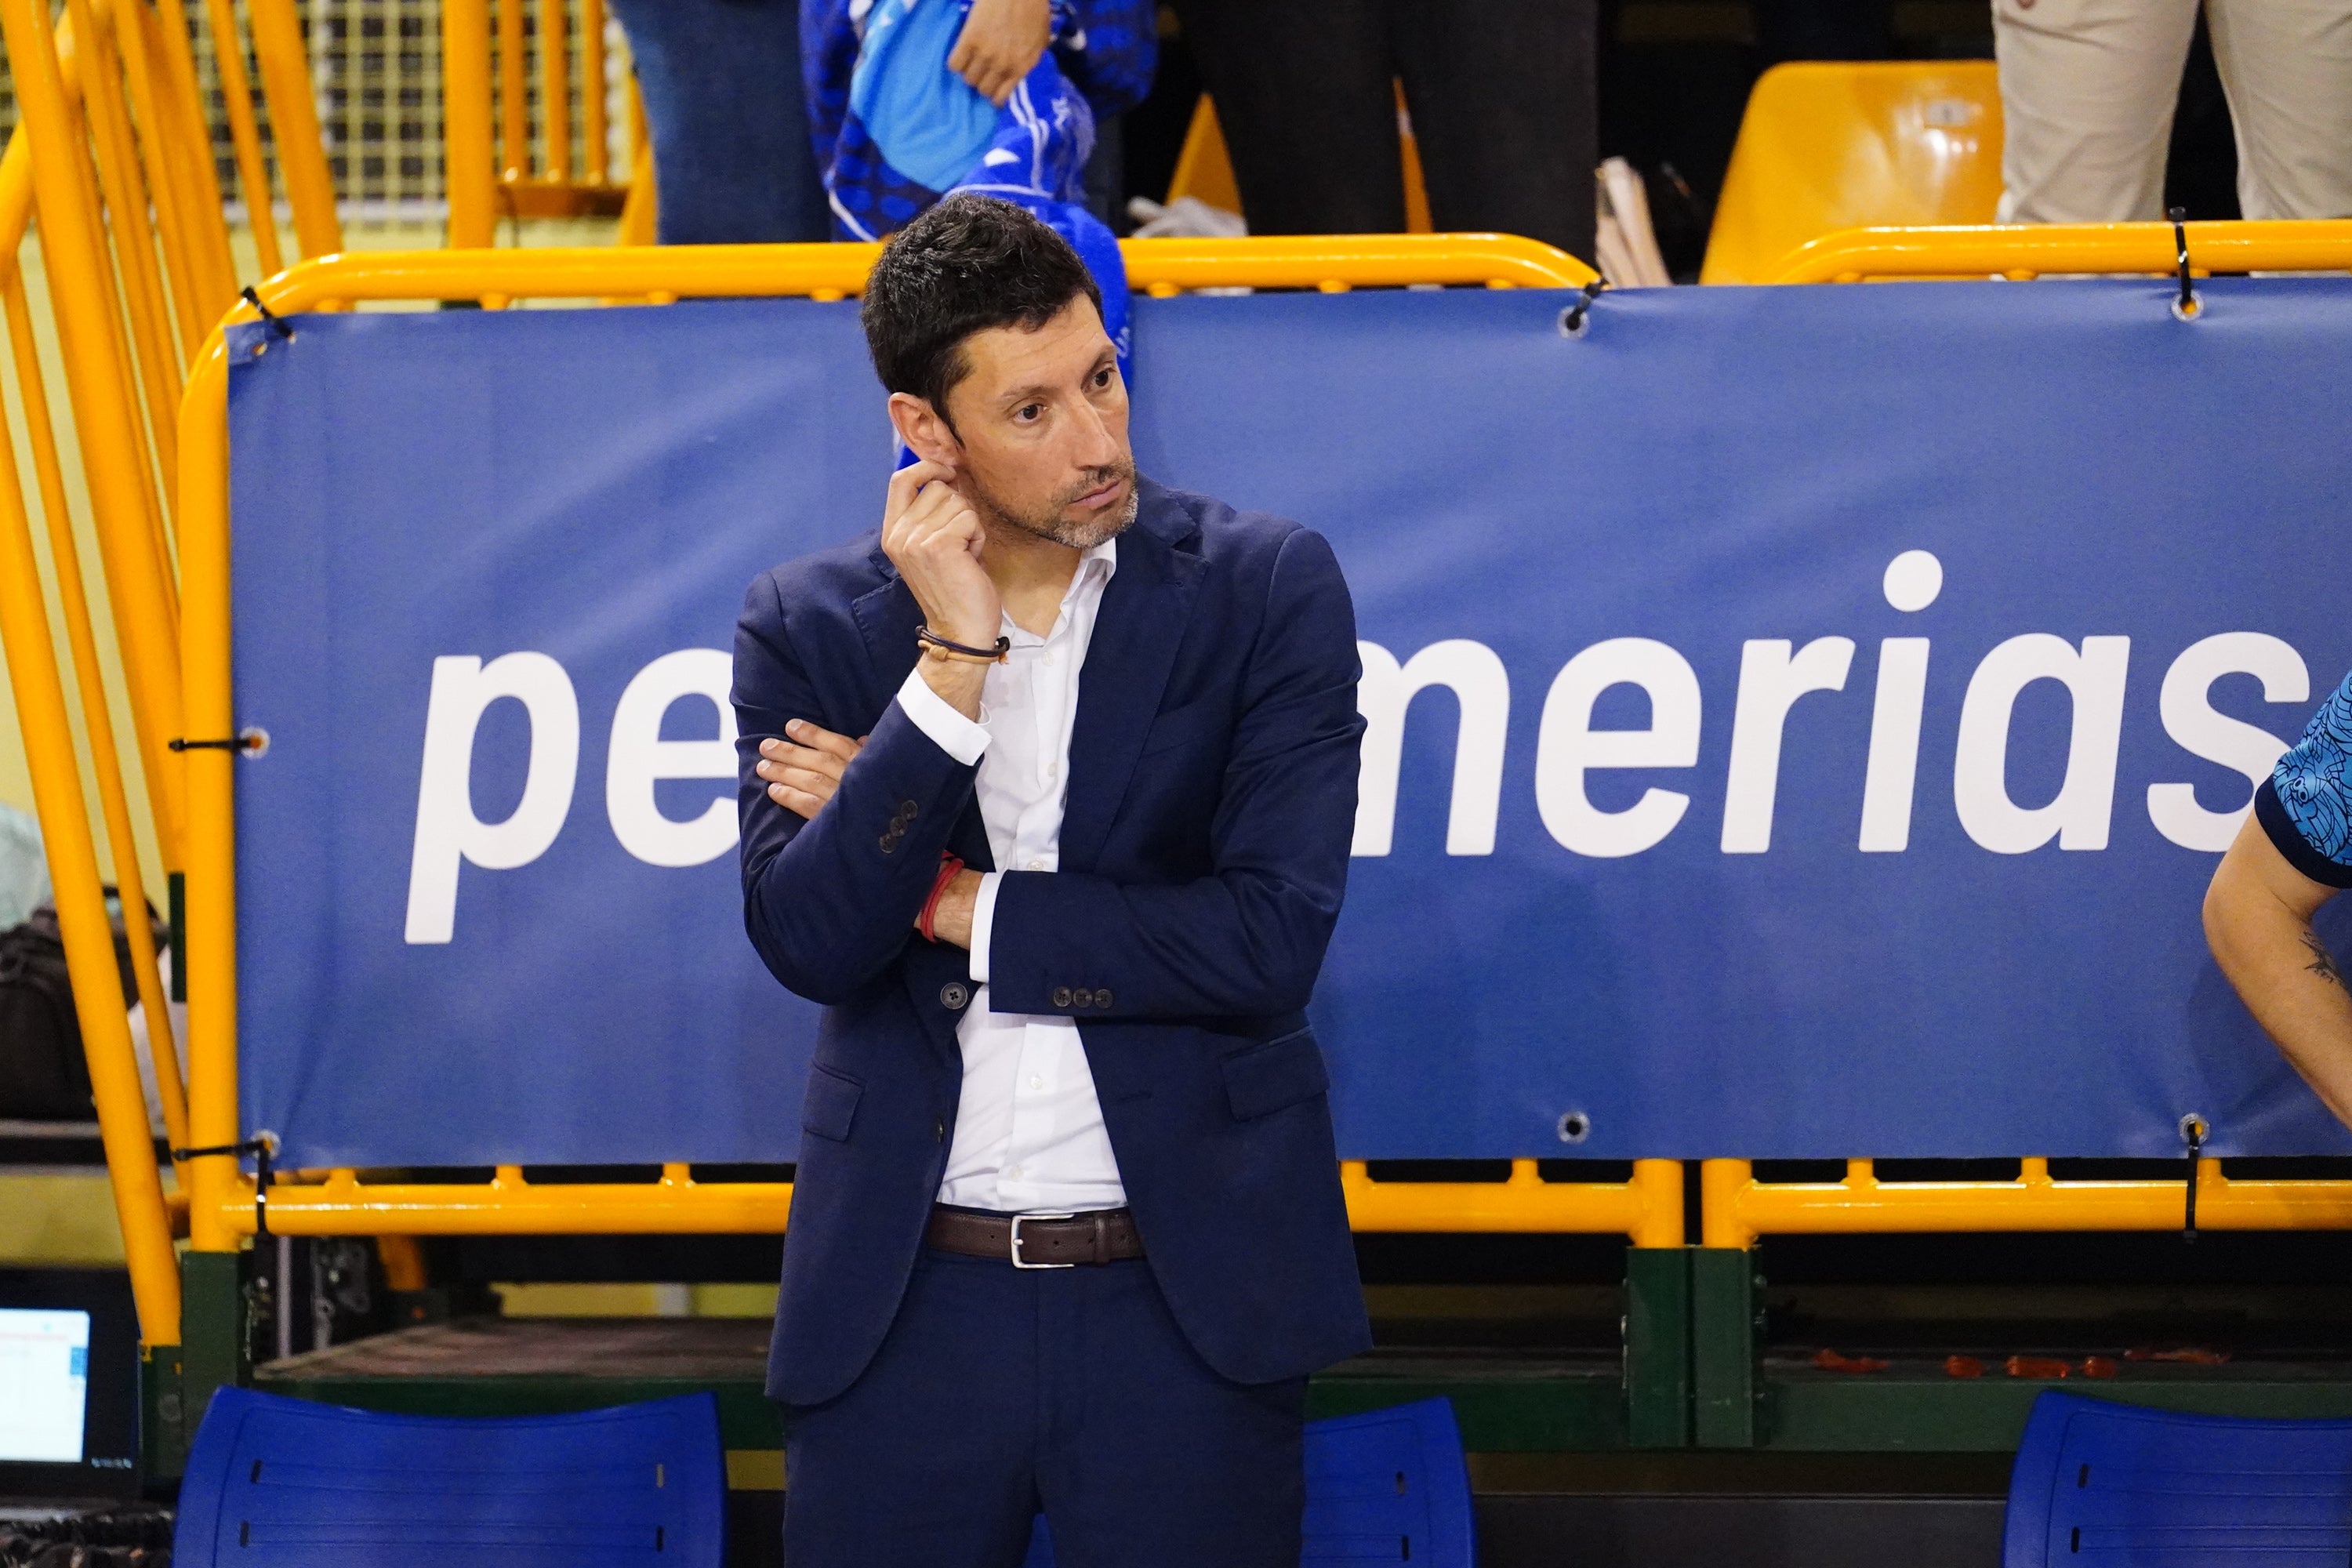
pixel 803 770
pixel 2258 915
pixel 828 909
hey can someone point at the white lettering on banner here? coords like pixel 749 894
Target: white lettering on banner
pixel 2078 815
pixel 1771 681
pixel 1482 690
pixel 639 756
pixel 2190 719
pixel 447 831
pixel 1568 746
pixel 1894 767
pixel 1911 582
pixel 1774 675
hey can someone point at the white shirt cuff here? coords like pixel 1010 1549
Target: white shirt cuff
pixel 958 736
pixel 984 921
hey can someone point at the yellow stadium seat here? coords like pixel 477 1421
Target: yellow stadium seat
pixel 1204 171
pixel 1829 146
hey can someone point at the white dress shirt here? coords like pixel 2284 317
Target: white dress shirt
pixel 1029 1132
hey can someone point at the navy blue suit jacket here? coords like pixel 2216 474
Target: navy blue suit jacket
pixel 1204 848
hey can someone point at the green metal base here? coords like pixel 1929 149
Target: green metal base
pixel 1692 1378
pixel 1724 1329
pixel 1918 1408
pixel 163 1415
pixel 1657 1334
pixel 1504 1405
pixel 213 1317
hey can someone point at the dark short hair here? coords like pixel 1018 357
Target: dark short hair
pixel 967 265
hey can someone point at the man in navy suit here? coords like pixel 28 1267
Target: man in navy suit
pixel 1067 1235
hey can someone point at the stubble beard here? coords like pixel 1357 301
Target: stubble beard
pixel 1052 523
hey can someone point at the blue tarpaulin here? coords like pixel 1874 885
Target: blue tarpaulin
pixel 1803 719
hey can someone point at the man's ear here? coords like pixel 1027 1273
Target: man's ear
pixel 926 434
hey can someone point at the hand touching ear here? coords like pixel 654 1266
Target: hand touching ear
pixel 934 538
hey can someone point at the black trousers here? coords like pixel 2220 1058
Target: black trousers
pixel 1000 1393
pixel 1501 94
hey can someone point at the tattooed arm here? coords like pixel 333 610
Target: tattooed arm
pixel 2258 919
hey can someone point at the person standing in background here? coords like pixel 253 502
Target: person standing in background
pixel 1501 94
pixel 721 84
pixel 2087 90
pixel 911 99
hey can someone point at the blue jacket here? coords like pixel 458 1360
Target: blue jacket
pixel 1205 848
pixel 893 128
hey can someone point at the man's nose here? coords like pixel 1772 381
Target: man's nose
pixel 1098 445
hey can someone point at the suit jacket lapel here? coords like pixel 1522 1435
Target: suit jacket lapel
pixel 1137 630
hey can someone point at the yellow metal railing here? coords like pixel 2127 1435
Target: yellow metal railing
pixel 102 270
pixel 497 167
pixel 1647 1207
pixel 2028 250
pixel 1738 1208
pixel 134 267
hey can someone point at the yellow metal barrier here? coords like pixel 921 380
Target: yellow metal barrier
pixel 495 166
pixel 49 159
pixel 294 129
pixel 2023 251
pixel 45 99
pixel 112 146
pixel 1648 1207
pixel 1738 1208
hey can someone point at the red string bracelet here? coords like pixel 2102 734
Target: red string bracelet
pixel 949 866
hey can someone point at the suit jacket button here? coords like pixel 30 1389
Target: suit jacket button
pixel 954 995
pixel 906 811
pixel 938 1131
pixel 888 842
pixel 1102 998
pixel 1082 997
pixel 1061 997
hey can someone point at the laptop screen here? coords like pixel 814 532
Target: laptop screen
pixel 44 1385
pixel 68 1384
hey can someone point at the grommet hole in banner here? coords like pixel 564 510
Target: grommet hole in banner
pixel 1577 317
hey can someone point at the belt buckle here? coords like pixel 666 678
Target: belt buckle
pixel 1015 1247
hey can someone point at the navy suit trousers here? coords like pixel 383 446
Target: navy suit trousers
pixel 999 1393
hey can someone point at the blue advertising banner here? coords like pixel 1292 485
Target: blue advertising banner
pixel 1802 722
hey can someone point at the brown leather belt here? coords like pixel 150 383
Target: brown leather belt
pixel 1037 1241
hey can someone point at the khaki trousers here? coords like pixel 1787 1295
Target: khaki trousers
pixel 2087 90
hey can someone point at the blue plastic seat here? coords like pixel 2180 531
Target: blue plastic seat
pixel 2116 1485
pixel 1385 1486
pixel 275 1482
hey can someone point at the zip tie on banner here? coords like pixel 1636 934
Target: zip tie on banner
pixel 252 739
pixel 263 1147
pixel 277 323
pixel 1572 320
pixel 2188 307
pixel 2193 1129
